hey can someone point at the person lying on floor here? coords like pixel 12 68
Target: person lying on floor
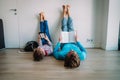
pixel 44 40
pixel 71 53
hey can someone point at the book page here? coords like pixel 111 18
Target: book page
pixel 65 37
pixel 68 37
pixel 72 36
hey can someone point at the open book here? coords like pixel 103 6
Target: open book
pixel 68 37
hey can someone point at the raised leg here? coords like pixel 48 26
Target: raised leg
pixel 64 20
pixel 70 21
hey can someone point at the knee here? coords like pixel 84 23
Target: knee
pixel 64 28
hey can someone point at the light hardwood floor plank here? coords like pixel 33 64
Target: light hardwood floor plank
pixel 99 65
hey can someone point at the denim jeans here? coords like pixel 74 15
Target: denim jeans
pixel 45 29
pixel 67 24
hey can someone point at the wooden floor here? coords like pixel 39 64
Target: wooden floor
pixel 99 65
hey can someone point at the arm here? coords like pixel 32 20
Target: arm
pixel 57 47
pixel 59 54
pixel 79 44
pixel 39 40
pixel 81 47
pixel 83 53
pixel 56 50
pixel 46 38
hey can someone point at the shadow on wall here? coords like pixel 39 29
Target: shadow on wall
pixel 119 38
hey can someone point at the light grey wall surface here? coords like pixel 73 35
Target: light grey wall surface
pixel 113 25
pixel 90 19
pixel 86 16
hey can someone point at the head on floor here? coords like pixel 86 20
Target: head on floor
pixel 72 60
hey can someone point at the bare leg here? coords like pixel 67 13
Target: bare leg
pixel 68 10
pixel 41 16
pixel 69 22
pixel 64 11
pixel 64 20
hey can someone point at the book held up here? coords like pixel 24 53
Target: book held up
pixel 68 36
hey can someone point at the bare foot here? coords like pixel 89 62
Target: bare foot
pixel 68 6
pixel 64 8
pixel 43 14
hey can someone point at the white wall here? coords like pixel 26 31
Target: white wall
pixel 104 24
pixel 86 16
pixel 113 25
pixel 96 21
